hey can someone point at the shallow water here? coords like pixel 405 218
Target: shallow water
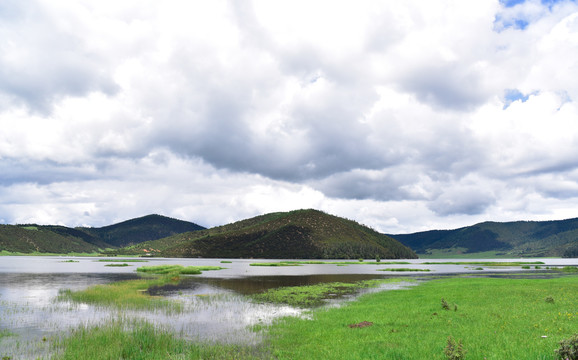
pixel 215 305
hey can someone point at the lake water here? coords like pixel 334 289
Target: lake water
pixel 216 308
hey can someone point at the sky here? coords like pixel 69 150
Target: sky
pixel 402 115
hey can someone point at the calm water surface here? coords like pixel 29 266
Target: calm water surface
pixel 215 306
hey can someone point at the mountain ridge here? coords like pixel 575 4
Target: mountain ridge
pixel 514 238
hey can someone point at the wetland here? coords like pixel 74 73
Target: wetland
pixel 235 307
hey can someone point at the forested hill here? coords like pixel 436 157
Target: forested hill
pixel 295 234
pixel 32 238
pixel 146 228
pixel 516 239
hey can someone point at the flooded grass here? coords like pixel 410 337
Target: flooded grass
pixel 128 294
pixel 404 270
pixel 176 269
pixel 344 263
pixel 314 295
pixel 118 265
pixel 486 263
pixel 274 264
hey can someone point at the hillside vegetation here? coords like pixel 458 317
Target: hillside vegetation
pixel 519 238
pixel 47 239
pixel 33 238
pixel 297 234
pixel 146 228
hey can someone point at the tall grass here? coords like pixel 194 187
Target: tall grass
pixel 140 340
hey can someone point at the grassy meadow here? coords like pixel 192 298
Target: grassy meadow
pixel 492 318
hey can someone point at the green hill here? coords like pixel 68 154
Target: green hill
pixel 519 238
pixel 146 228
pixel 34 238
pixel 47 239
pixel 296 234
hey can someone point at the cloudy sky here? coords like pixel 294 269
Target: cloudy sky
pixel 402 115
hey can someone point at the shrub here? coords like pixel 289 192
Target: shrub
pixel 568 348
pixel 455 351
pixel 445 304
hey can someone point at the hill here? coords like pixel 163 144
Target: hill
pixel 519 238
pixel 47 239
pixel 146 228
pixel 33 238
pixel 296 234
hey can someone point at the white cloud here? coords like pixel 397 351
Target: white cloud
pixel 392 113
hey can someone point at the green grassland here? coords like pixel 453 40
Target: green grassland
pixel 493 318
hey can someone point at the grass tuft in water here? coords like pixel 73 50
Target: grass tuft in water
pixel 403 269
pixel 129 294
pixel 176 269
pixel 314 295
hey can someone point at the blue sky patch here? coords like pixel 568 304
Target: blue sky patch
pixel 511 3
pixel 511 95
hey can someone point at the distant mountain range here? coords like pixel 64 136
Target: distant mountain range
pixel 294 234
pixel 515 239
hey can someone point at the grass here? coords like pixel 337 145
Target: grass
pixel 176 269
pixel 486 263
pixel 274 264
pixel 339 263
pixel 313 295
pixel 123 339
pixel 118 265
pixel 70 261
pixel 131 294
pixel 402 269
pixel 128 294
pixel 226 262
pixel 35 253
pixel 495 319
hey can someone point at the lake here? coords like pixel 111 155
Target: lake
pixel 216 308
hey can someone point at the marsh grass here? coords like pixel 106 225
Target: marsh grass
pixel 343 263
pixel 497 319
pixel 128 294
pixel 176 269
pixel 403 269
pixel 486 263
pixel 274 264
pixel 313 295
pixel 123 339
pixel 118 265
pixel 132 294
